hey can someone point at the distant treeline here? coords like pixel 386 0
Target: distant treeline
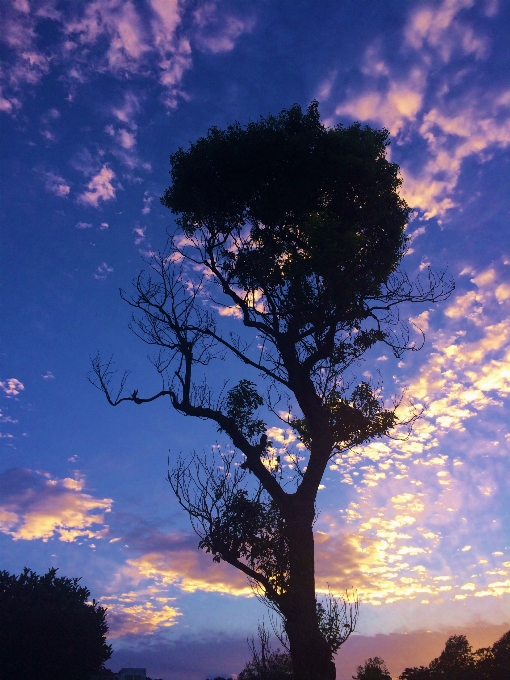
pixel 456 662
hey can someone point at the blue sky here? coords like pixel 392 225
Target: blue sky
pixel 94 97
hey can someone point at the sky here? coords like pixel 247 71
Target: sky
pixel 94 97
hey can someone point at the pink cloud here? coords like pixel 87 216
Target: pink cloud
pixel 439 29
pixel 140 235
pixel 102 271
pixel 454 129
pixel 56 184
pixel 219 33
pixel 12 387
pixel 114 36
pixel 127 139
pixel 99 188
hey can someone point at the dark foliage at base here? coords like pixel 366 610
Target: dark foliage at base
pixel 48 628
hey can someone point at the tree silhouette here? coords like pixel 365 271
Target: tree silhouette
pixel 495 664
pixel 266 663
pixel 458 662
pixel 48 628
pixel 373 669
pixel 296 231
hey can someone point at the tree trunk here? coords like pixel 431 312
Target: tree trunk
pixel 311 656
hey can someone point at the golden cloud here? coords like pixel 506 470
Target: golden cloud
pixel 34 505
pixel 190 570
pixel 415 506
pixel 140 612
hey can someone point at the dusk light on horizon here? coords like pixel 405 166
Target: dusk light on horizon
pixel 94 97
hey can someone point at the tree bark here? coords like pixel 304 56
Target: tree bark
pixel 311 656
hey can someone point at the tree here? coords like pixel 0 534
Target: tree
pixel 266 664
pixel 456 662
pixel 493 663
pixel 49 629
pixel 298 230
pixel 373 669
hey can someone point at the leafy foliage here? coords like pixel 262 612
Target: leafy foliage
pixel 241 403
pixel 251 529
pixel 48 628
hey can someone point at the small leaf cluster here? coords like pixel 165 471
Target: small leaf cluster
pixel 252 530
pixel 241 403
pixel 353 420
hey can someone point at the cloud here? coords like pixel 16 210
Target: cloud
pixel 35 505
pixel 48 376
pixel 23 64
pixel 56 185
pixel 194 657
pixel 140 235
pixel 140 612
pixel 102 271
pixel 190 570
pixel 147 200
pixel 100 188
pixel 83 225
pixel 393 108
pixel 164 559
pixel 454 123
pixel 12 387
pixel 127 112
pixel 438 29
pixel 217 32
pixel 118 23
pixel 416 505
pixel 190 657
pixel 115 37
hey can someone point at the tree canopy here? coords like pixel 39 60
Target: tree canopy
pixel 296 230
pixel 373 669
pixel 49 629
